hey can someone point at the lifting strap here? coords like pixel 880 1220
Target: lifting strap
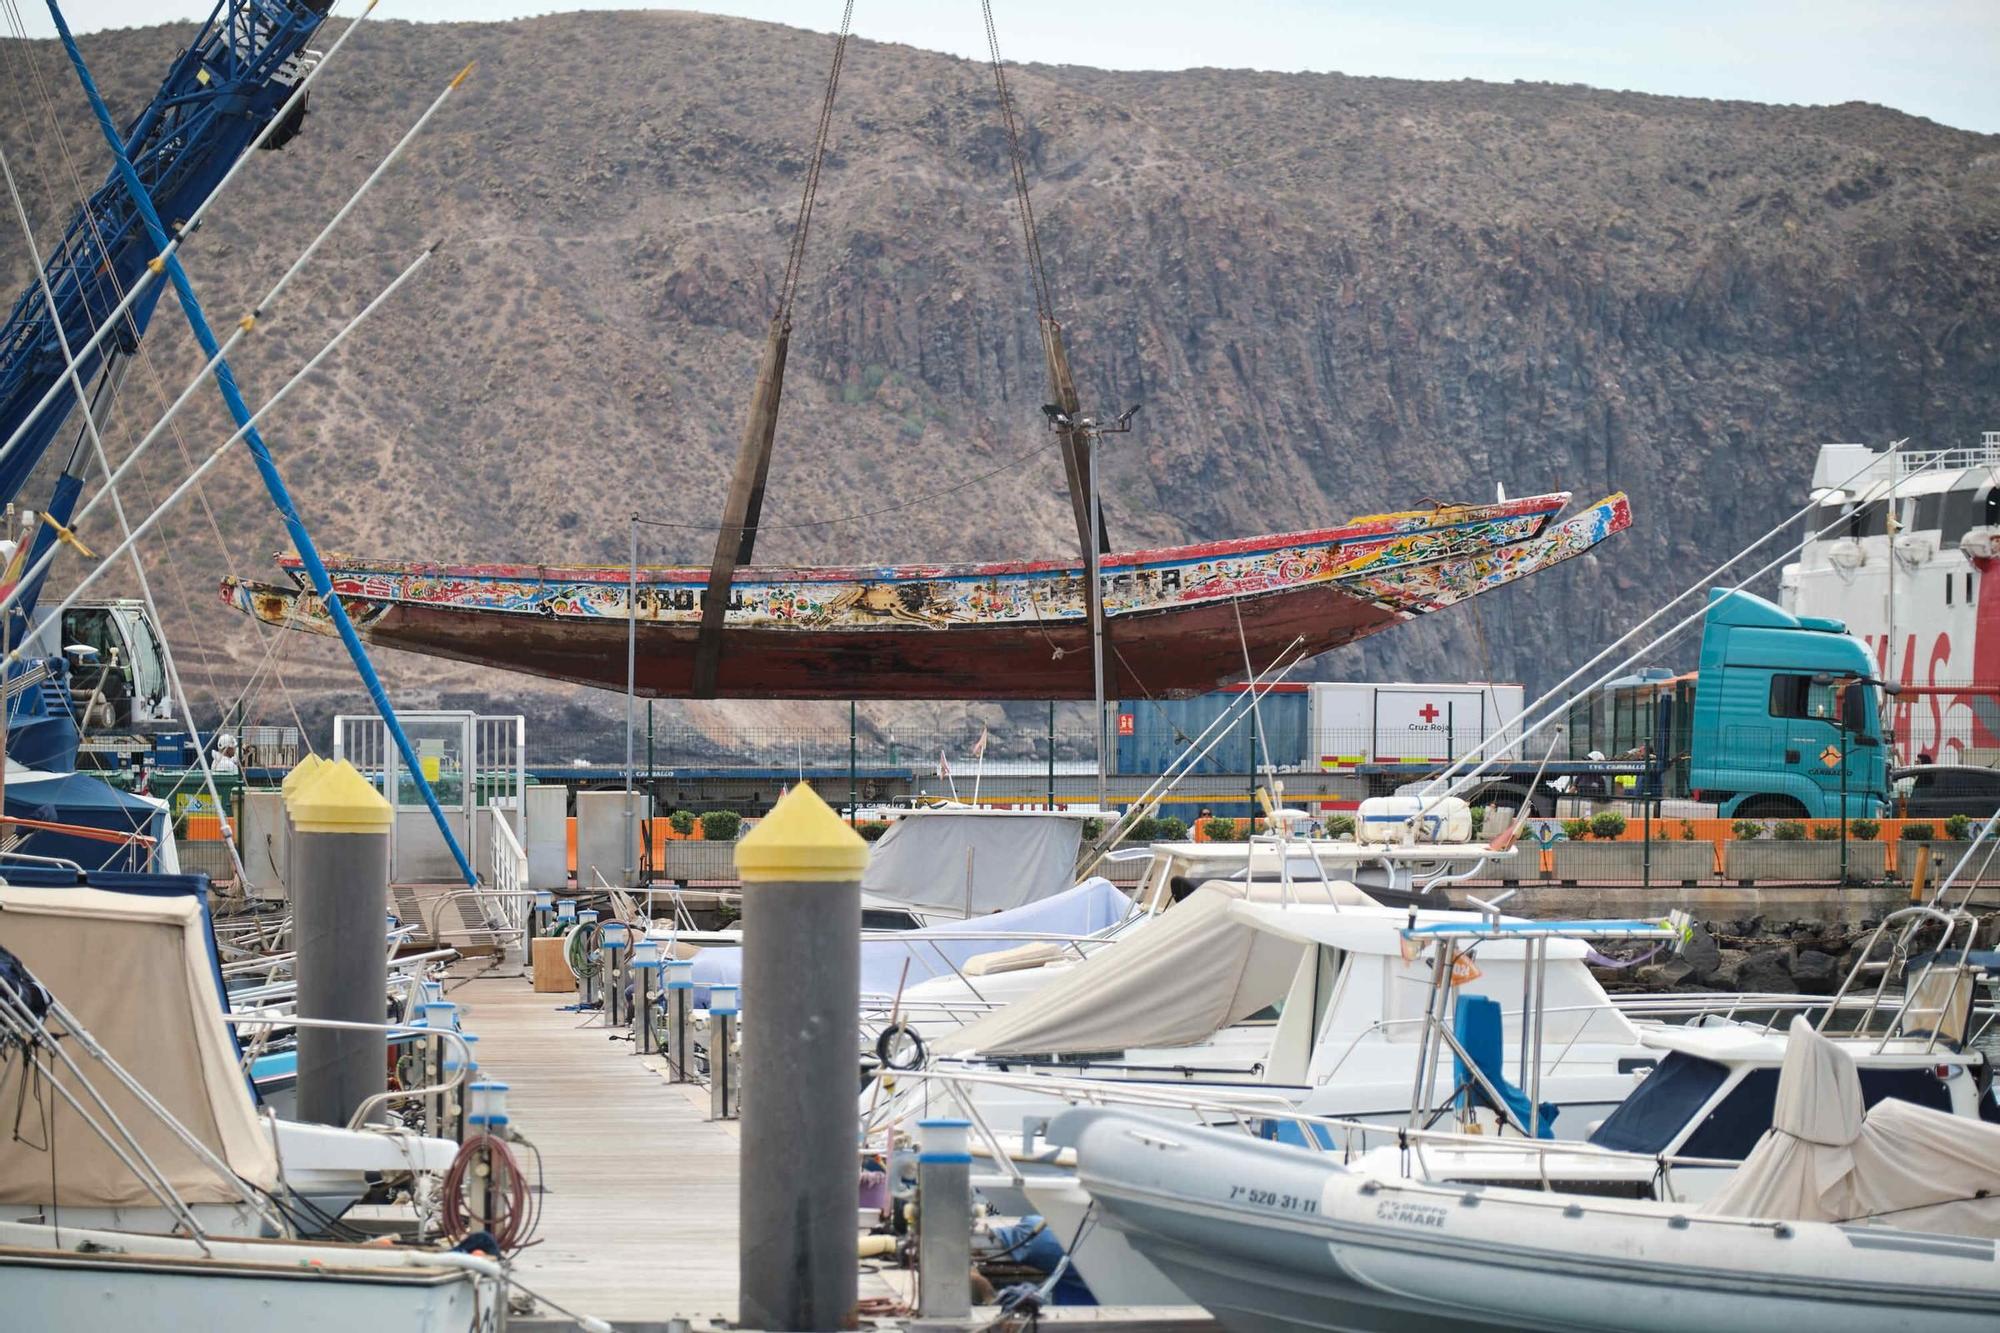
pixel 1076 457
pixel 744 507
pixel 1076 447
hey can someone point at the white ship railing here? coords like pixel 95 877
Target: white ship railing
pixel 1955 459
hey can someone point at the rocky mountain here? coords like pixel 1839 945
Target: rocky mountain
pixel 1333 295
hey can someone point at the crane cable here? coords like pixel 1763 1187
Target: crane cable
pixel 808 199
pixel 1044 306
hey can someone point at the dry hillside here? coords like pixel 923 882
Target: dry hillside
pixel 1332 294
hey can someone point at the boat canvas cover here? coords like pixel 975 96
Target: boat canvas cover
pixel 973 862
pixel 135 972
pixel 1825 1159
pixel 1092 906
pixel 1196 970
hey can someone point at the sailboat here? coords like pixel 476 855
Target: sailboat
pixel 1179 619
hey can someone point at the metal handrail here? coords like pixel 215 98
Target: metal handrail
pixel 361 1113
pixel 1234 1112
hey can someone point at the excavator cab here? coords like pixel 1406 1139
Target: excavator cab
pixel 118 676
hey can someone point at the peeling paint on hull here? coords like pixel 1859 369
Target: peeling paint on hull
pixel 999 631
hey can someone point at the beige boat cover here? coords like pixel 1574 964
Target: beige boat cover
pixel 1898 1164
pixel 135 972
pixel 1176 981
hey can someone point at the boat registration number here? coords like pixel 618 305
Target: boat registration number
pixel 1290 1203
pixel 1410 1214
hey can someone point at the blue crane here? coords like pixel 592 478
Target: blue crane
pixel 222 91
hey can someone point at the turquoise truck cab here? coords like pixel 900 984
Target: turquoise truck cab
pixel 1787 716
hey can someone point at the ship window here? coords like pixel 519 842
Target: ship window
pixel 1947 590
pixel 1963 511
pixel 1991 505
pixel 1929 513
pixel 1869 520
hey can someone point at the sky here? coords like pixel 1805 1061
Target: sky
pixel 1934 58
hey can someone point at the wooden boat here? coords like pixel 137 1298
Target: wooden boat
pixel 1178 620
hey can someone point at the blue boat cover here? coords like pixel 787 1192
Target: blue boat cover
pixel 1476 1024
pixel 76 798
pixel 1094 905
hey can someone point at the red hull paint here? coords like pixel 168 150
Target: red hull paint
pixel 1167 652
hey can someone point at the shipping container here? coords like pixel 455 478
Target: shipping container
pixel 1406 722
pixel 1153 733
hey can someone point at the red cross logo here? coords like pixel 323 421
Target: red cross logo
pixel 1428 713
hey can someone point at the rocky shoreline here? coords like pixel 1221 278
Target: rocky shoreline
pixel 1757 956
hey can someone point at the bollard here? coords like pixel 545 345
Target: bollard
pixel 340 881
pixel 725 1091
pixel 612 935
pixel 680 1019
pixel 944 1220
pixel 801 871
pixel 645 986
pixel 586 976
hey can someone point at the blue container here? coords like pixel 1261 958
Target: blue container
pixel 1153 733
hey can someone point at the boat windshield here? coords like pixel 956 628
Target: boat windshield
pixel 1663 1103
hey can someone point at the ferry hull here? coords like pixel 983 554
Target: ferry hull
pixel 1177 621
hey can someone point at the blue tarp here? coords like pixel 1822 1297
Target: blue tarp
pixel 1094 905
pixel 74 798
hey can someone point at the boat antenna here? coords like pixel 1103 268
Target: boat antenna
pixel 736 540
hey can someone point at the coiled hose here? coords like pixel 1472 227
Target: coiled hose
pixel 511 1223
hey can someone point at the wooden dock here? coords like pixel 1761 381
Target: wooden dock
pixel 639 1219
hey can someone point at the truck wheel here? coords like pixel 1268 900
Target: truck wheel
pixel 1771 807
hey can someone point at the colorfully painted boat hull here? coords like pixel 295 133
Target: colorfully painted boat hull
pixel 1178 620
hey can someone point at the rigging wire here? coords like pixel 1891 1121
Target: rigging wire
pixel 809 197
pixel 866 513
pixel 1044 306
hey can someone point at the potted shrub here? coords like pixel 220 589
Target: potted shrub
pixel 1948 851
pixel 721 825
pixel 1790 853
pixel 871 830
pixel 682 823
pixel 1145 829
pixel 1340 826
pixel 1217 829
pixel 1173 829
pixel 1593 851
pixel 710 854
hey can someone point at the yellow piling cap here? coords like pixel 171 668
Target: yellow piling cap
pixel 302 772
pixel 801 841
pixel 337 799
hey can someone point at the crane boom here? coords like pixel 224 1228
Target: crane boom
pixel 216 100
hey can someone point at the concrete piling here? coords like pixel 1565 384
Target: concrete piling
pixel 801 871
pixel 340 880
